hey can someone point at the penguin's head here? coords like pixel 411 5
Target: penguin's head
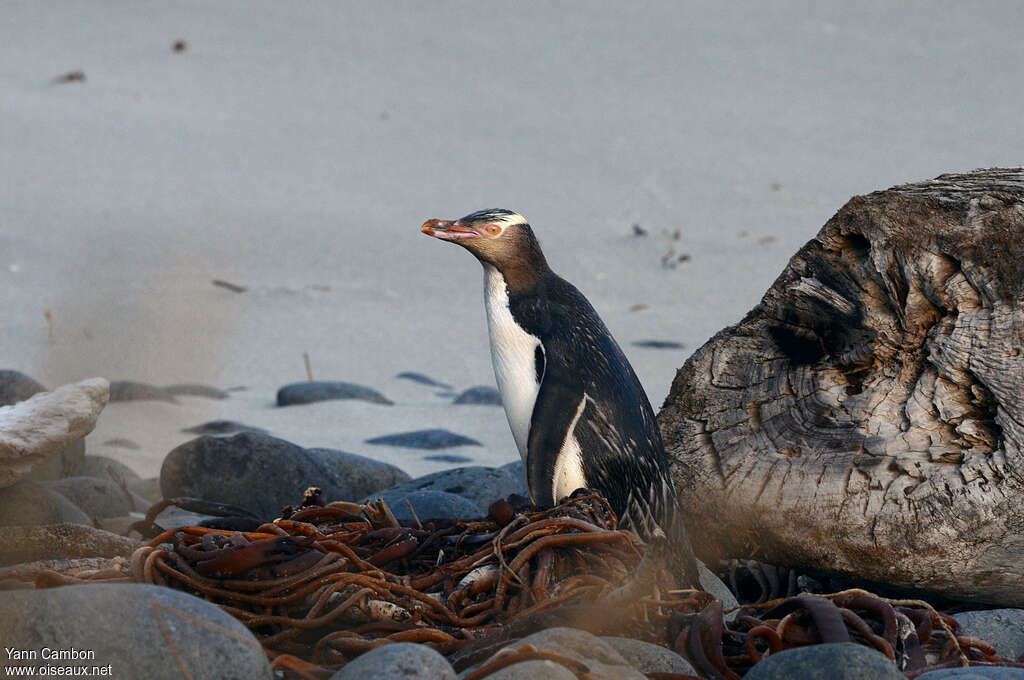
pixel 497 237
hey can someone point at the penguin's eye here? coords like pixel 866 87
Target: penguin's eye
pixel 493 229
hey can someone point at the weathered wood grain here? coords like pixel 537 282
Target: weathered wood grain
pixel 868 415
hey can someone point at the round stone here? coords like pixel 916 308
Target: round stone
pixel 399 661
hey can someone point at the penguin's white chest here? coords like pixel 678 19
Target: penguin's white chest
pixel 513 355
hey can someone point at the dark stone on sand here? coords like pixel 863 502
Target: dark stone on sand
pixel 97 498
pixel 221 427
pixel 362 475
pixel 196 390
pixel 424 439
pixel 310 392
pixel 122 443
pixel 139 630
pixel 422 379
pixel 128 390
pixel 832 661
pixel 477 484
pixel 103 467
pixel 60 541
pixel 400 661
pixel 1003 628
pixel 658 344
pixel 448 458
pixel 31 504
pixel 481 394
pixel 16 386
pixel 250 470
pixel 434 505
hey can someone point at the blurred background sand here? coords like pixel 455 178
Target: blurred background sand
pixel 295 150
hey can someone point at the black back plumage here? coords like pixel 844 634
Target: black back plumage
pixel 623 454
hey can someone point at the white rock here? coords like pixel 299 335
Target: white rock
pixel 46 423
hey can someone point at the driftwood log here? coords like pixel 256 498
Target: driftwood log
pixel 867 417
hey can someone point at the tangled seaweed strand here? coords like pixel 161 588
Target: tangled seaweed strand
pixel 329 582
pixel 911 633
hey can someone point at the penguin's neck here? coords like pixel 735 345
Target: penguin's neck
pixel 523 272
pixel 514 355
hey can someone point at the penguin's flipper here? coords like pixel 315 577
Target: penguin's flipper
pixel 553 414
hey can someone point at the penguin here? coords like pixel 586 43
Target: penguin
pixel 578 413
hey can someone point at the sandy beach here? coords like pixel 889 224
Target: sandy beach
pixel 295 151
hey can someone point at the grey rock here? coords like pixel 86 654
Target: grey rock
pixel 576 644
pixel 103 467
pixel 173 517
pixel 448 458
pixel 478 484
pixel 516 468
pixel 433 505
pixel 710 583
pixel 16 386
pixel 990 673
pixel 196 390
pixel 129 390
pixel 147 489
pixel 30 504
pixel 19 545
pixel 482 395
pixel 1003 628
pixel 97 498
pixel 139 503
pixel 61 465
pixel 833 661
pixel 309 392
pixel 139 630
pixel 122 526
pixel 649 658
pixel 532 670
pixel 422 379
pixel 604 662
pixel 424 439
pixel 363 475
pixel 122 443
pixel 250 470
pixel 400 661
pixel 221 427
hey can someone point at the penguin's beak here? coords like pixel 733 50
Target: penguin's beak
pixel 447 230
